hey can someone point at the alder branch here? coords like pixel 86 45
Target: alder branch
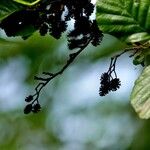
pixel 110 82
pixel 135 50
pixel 45 80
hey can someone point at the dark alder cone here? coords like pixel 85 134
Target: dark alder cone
pixel 49 17
pixel 36 108
pixel 108 85
pixel 115 84
pixel 105 84
pixel 104 89
pixel 96 34
pixel 88 9
pixel 29 98
pixel 82 26
pixel 105 78
pixel 28 109
pixel 43 29
pixel 97 39
pixel 57 29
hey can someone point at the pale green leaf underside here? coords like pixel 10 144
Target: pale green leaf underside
pixel 27 2
pixel 125 19
pixel 140 97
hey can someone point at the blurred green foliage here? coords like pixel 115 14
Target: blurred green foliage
pixel 103 125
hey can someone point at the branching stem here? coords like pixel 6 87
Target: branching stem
pixel 44 81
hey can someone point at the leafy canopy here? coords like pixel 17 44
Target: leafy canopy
pixel 128 20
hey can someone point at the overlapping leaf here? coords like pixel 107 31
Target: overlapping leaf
pixel 7 7
pixel 125 19
pixel 140 97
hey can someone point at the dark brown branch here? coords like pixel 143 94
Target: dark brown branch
pixel 44 81
pixel 135 49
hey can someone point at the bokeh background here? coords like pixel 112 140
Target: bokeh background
pixel 73 116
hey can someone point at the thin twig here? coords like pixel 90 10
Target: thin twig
pixel 44 81
pixel 112 67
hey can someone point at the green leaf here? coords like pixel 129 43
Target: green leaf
pixel 139 59
pixel 128 20
pixel 147 59
pixel 7 7
pixel 140 97
pixel 142 57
